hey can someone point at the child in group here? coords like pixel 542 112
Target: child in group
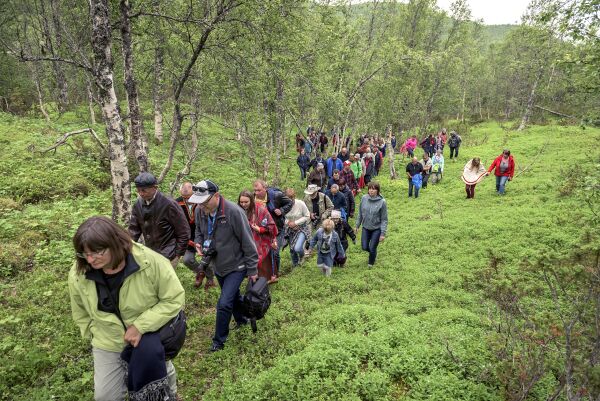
pixel 328 244
pixel 343 229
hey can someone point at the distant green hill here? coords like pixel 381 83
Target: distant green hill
pixel 496 33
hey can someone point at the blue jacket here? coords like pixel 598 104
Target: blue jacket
pixel 339 200
pixel 335 244
pixel 303 162
pixel 331 165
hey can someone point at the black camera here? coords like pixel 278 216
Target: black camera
pixel 208 252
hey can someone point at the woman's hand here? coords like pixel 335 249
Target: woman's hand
pixel 255 228
pixel 133 336
pixel 274 244
pixel 381 238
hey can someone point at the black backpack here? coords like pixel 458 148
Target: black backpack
pixel 256 301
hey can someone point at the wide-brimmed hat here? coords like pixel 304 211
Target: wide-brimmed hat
pixel 202 191
pixel 311 189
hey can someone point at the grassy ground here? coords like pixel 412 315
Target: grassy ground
pixel 412 328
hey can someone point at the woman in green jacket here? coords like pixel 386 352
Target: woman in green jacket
pixel 116 283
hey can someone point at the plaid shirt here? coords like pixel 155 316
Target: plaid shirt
pixel 348 175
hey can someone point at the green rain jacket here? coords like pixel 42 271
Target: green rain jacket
pixel 150 296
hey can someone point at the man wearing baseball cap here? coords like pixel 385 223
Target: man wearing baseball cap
pixel 224 240
pixel 159 219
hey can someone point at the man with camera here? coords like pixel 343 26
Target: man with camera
pixel 189 259
pixel 224 241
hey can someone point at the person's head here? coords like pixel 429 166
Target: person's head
pixel 334 189
pixel 374 188
pixel 414 136
pixel 334 156
pixel 328 226
pixel 318 155
pixel 336 216
pixel 506 153
pixel 344 150
pixel 302 151
pixel 336 174
pixel 430 136
pixel 414 160
pixel 146 186
pixel 260 188
pixel 186 190
pixel 357 156
pixel 443 130
pixel 246 200
pixel 320 166
pixel 290 193
pixel 206 195
pixel 347 164
pixel 342 183
pixel 475 162
pixel 425 156
pixel 100 243
pixel 438 152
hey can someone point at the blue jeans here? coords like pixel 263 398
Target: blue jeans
pixel 230 303
pixel 302 174
pixel 500 183
pixel 410 189
pixel 324 259
pixel 369 241
pixel 297 252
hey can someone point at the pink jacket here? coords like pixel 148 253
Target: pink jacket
pixel 411 143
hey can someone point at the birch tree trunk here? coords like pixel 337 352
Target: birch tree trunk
pixel 157 97
pixel 56 66
pixel 36 79
pixel 104 79
pixel 138 139
pixel 390 153
pixel 531 100
pixel 61 81
pixel 91 102
pixel 280 126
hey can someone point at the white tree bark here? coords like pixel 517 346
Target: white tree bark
pixel 104 79
pixel 157 98
pixel 531 100
pixel 138 138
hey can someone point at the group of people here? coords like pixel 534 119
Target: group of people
pixel 123 286
pixel 124 292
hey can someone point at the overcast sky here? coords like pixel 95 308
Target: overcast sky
pixel 493 12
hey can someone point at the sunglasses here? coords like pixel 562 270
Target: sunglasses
pixel 96 254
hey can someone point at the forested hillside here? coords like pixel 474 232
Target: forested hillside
pixel 491 298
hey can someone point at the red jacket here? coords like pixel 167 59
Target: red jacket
pixel 496 165
pixel 267 231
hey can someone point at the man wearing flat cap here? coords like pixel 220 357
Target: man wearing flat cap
pixel 224 241
pixel 159 219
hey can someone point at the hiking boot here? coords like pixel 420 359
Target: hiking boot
pixel 369 266
pixel 215 348
pixel 199 278
pixel 210 283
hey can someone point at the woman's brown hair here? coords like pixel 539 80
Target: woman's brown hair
pixel 98 233
pixel 475 162
pixel 247 194
pixel 374 185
